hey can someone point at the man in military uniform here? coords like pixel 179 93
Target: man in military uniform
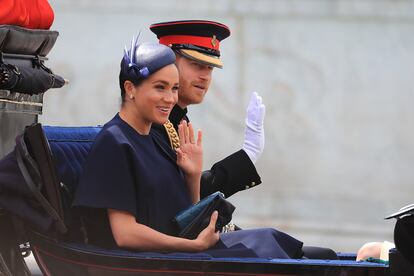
pixel 196 44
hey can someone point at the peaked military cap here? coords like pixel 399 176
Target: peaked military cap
pixel 195 39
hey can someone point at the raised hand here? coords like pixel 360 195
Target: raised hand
pixel 254 132
pixel 190 153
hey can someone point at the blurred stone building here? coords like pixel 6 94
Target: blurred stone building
pixel 337 78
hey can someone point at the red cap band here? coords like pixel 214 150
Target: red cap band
pixel 202 41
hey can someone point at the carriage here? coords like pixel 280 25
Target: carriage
pixel 42 171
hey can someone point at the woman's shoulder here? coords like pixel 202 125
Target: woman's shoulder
pixel 113 133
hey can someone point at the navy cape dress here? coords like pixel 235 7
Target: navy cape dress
pixel 138 174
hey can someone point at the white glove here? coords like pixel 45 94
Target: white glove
pixel 254 133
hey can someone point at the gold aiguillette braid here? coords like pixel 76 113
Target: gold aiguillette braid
pixel 172 135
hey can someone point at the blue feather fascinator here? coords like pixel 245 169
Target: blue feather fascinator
pixel 143 59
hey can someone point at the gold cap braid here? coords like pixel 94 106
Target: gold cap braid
pixel 172 135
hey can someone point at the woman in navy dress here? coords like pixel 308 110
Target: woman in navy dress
pixel 133 183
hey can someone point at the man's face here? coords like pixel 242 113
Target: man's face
pixel 195 80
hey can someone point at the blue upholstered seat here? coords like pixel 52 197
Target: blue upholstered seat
pixel 70 147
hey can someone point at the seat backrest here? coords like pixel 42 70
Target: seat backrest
pixel 51 160
pixel 70 147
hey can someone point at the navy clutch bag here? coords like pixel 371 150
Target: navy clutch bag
pixel 190 222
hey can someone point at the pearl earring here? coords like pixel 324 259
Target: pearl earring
pixel 131 97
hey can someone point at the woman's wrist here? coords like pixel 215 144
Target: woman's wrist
pixel 198 245
pixel 187 245
pixel 193 185
pixel 193 176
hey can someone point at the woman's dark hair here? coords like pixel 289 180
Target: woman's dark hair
pixel 142 60
pixel 122 78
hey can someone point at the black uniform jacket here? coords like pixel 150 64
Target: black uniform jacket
pixel 234 173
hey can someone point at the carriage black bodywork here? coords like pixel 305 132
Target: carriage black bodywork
pixel 40 176
pixel 50 160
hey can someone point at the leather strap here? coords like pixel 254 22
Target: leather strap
pixel 20 152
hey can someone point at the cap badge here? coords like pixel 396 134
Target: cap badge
pixel 214 41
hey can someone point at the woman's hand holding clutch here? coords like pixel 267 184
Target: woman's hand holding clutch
pixel 209 236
